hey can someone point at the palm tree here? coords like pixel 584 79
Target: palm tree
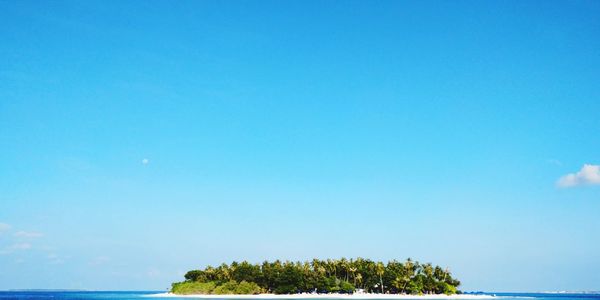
pixel 225 272
pixel 409 266
pixel 358 278
pixel 331 266
pixel 429 281
pixel 380 271
pixel 315 263
pixel 210 272
pixel 344 265
pixel 405 279
pixel 353 270
pixel 398 283
pixel 321 270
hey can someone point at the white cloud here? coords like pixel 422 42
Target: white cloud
pixel 555 162
pixel 15 247
pixel 21 246
pixel 4 227
pixel 28 234
pixel 99 260
pixel 54 259
pixel 145 161
pixel 588 175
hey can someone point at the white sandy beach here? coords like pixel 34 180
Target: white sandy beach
pixel 327 296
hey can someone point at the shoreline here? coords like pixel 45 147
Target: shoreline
pixel 324 296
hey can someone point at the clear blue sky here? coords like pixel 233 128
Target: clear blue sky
pixel 141 139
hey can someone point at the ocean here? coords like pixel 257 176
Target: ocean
pixel 146 295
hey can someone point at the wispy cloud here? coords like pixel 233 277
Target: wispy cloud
pixel 555 162
pixel 99 260
pixel 4 227
pixel 15 247
pixel 588 175
pixel 28 234
pixel 54 259
pixel 21 246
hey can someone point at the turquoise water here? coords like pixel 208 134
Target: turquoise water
pixel 143 295
pixel 72 295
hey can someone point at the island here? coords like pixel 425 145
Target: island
pixel 320 277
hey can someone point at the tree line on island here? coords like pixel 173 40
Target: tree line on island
pixel 319 276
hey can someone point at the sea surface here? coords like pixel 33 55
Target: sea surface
pixel 147 295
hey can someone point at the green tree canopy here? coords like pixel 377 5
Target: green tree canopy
pixel 322 276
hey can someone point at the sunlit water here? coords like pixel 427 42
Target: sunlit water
pixel 147 295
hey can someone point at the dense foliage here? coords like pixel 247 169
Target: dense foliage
pixel 322 276
pixel 211 287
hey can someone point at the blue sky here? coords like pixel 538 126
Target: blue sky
pixel 139 140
